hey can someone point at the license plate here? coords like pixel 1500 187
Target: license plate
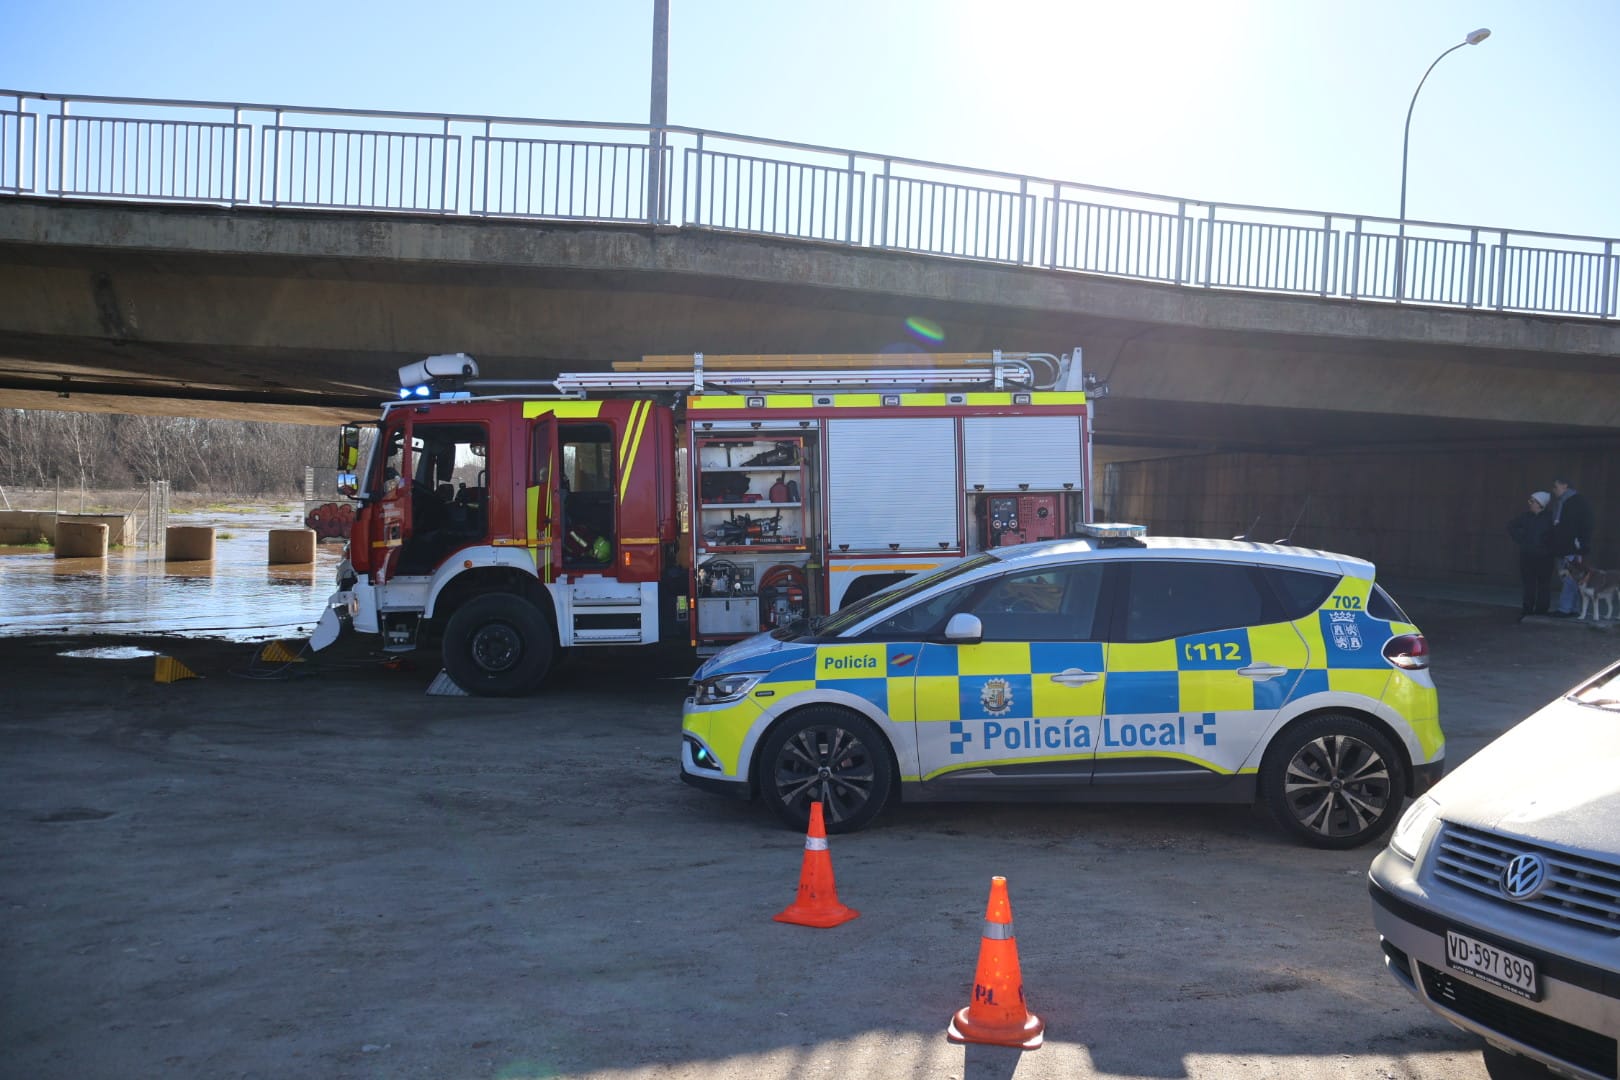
pixel 1495 966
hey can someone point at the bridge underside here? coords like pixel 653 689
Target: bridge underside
pixel 270 310
pixel 305 316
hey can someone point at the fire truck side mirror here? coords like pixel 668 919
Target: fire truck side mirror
pixel 348 460
pixel 349 448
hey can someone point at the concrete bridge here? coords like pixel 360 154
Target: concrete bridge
pixel 1405 433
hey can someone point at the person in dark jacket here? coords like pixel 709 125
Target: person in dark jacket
pixel 1532 531
pixel 1571 541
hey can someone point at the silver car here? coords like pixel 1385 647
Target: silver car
pixel 1498 897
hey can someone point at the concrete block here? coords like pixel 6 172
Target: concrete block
pixel 121 527
pixel 189 543
pixel 80 540
pixel 292 547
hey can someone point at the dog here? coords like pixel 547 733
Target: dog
pixel 1597 588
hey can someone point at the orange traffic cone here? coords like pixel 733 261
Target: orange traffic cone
pixel 817 903
pixel 997 1015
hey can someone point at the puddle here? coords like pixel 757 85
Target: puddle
pixel 115 652
pixel 237 595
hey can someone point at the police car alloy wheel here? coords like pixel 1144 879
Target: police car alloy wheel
pixel 830 756
pixel 1334 781
pixel 498 645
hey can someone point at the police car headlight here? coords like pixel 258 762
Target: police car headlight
pixel 1416 821
pixel 721 689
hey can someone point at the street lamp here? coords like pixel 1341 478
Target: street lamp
pixel 1473 38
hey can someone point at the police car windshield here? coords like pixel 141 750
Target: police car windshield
pixel 836 624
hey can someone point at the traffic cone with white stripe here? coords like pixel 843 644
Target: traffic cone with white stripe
pixel 997 1015
pixel 817 903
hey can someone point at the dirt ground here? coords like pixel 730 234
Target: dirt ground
pixel 319 870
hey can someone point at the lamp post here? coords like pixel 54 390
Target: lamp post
pixel 658 113
pixel 1473 38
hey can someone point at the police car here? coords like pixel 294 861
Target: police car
pixel 1109 668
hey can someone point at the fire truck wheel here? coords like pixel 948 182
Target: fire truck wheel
pixel 827 755
pixel 498 645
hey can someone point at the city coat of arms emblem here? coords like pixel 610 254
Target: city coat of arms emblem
pixel 996 697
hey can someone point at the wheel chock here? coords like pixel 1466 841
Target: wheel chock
pixel 168 670
pixel 444 686
pixel 274 652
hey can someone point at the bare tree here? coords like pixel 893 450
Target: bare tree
pixel 39 449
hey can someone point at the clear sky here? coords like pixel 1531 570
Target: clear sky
pixel 1287 103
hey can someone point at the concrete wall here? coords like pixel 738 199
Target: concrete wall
pixel 27 526
pixel 1429 514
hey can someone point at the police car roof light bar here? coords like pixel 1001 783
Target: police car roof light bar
pixel 1112 530
pixel 1113 533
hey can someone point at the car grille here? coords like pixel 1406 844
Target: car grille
pixel 1587 1049
pixel 1580 891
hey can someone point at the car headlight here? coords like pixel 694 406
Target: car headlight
pixel 720 689
pixel 1414 823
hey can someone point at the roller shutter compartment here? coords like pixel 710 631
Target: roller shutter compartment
pixel 1002 452
pixel 892 482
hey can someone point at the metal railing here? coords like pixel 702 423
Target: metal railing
pixel 503 167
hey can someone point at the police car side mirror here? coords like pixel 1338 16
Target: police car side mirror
pixel 964 628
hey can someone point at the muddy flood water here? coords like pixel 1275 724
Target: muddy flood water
pixel 237 596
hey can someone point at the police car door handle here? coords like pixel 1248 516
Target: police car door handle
pixel 1075 676
pixel 1261 672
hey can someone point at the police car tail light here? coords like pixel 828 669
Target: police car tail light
pixel 1408 651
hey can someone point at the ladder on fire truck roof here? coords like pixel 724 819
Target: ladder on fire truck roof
pixel 700 374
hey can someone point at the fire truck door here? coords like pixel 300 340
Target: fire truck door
pixel 392 489
pixel 544 505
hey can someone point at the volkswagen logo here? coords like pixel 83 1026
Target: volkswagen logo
pixel 1523 877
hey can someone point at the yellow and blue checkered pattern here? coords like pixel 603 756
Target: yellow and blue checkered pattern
pixel 1188 691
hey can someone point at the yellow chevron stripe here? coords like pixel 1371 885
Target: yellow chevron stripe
pixel 640 424
pixel 629 428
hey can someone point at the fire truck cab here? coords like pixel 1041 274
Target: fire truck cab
pixel 692 498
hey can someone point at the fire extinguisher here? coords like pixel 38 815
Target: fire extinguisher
pixel 781 596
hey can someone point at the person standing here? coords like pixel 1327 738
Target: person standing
pixel 1532 531
pixel 1571 542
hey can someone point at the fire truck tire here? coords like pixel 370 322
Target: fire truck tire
pixel 498 645
pixel 828 755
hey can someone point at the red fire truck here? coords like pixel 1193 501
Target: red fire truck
pixel 696 498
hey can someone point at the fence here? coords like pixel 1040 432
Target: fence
pixel 501 167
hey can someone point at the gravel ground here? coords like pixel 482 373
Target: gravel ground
pixel 318 870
